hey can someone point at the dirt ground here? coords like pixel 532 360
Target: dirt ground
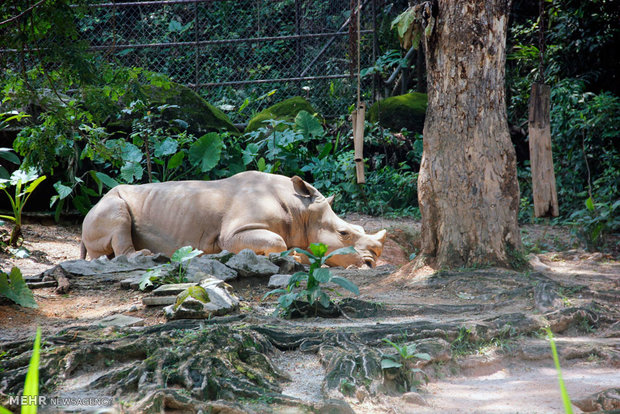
pixel 494 379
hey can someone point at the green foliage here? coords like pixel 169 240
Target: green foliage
pixel 196 292
pixel 568 408
pixel 18 200
pixel 163 275
pixel 592 223
pixel 404 362
pixel 313 292
pixel 405 352
pixel 14 287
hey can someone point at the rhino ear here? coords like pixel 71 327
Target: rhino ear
pixel 330 200
pixel 380 236
pixel 302 188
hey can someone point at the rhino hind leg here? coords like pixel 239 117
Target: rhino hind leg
pixel 107 229
pixel 259 240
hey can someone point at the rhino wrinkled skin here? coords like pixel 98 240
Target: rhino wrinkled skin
pixel 267 213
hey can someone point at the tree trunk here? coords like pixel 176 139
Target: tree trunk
pixel 467 186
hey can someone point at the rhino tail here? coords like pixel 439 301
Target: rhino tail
pixel 82 250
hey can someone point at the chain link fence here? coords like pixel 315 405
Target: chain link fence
pixel 243 55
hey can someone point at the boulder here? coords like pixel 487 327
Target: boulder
pixel 402 111
pixel 203 264
pixel 201 116
pixel 287 264
pixel 212 297
pixel 248 264
pixel 286 110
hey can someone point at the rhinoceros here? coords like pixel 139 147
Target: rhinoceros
pixel 267 213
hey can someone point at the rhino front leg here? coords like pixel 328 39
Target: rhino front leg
pixel 261 241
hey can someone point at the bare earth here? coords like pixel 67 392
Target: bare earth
pixel 505 378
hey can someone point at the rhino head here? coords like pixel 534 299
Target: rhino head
pixel 324 226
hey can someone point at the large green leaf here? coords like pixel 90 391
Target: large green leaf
pixel 7 154
pixel 62 190
pixel 322 275
pixel 185 253
pixel 166 147
pixel 17 290
pixel 206 151
pixel 387 363
pixel 176 160
pixel 346 283
pixel 131 172
pixel 342 250
pixel 106 179
pixel 308 125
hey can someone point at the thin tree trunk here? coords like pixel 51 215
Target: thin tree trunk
pixel 467 186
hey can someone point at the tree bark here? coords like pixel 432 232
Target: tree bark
pixel 467 187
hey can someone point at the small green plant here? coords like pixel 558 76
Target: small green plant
pixel 19 179
pixel 568 409
pixel 592 223
pixel 405 359
pixel 16 290
pixel 313 292
pixel 180 260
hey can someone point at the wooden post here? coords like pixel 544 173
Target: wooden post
pixel 541 157
pixel 358 116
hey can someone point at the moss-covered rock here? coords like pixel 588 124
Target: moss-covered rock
pixel 201 116
pixel 402 111
pixel 286 110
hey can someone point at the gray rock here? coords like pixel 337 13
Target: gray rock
pixel 212 297
pixel 279 281
pixel 120 321
pixel 221 257
pixel 287 264
pixel 159 300
pixel 413 398
pixel 119 264
pixel 211 266
pixel 247 263
pixel 172 289
pixel 334 406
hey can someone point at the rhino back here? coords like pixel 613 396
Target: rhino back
pixel 166 216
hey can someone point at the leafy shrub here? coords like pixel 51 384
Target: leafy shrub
pixel 174 272
pixel 19 179
pixel 14 287
pixel 313 293
pixel 592 223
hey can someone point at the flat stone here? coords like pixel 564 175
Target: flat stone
pixel 119 320
pixel 172 289
pixel 131 282
pixel 213 267
pixel 36 285
pixel 279 281
pixel 159 300
pixel 247 264
pixel 119 264
pixel 220 301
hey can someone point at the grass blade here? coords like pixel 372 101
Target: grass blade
pixel 31 386
pixel 568 409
